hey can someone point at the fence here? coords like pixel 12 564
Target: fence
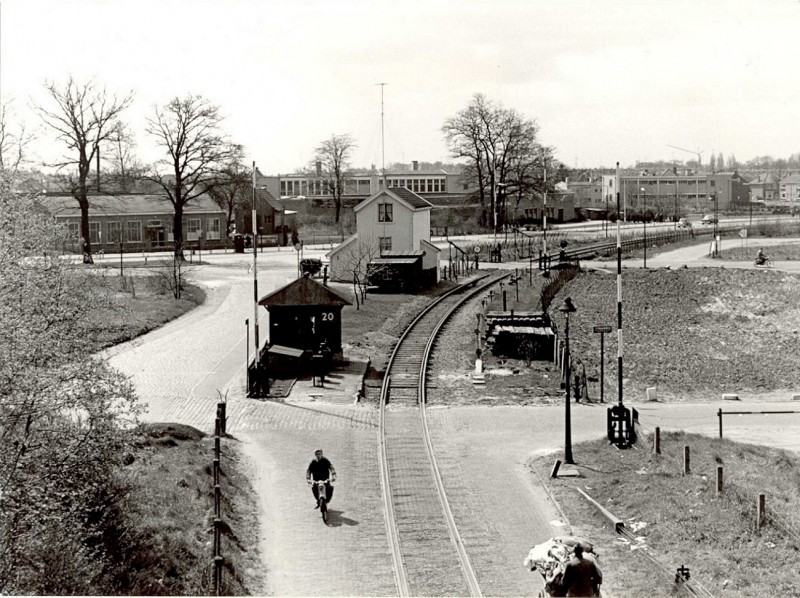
pixel 219 432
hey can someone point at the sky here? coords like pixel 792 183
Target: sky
pixel 606 81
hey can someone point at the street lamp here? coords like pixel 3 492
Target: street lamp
pixel 567 308
pixel 644 224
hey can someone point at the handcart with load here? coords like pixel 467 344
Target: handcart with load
pixel 551 557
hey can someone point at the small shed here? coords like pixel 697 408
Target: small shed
pixel 521 335
pixel 305 314
pixel 397 271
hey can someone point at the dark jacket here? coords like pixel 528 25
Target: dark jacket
pixel 582 577
pixel 320 470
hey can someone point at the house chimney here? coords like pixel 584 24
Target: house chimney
pixel 414 165
pixel 319 168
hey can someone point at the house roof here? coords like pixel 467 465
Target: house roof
pixel 792 179
pixel 303 291
pixel 409 198
pixel 109 205
pixel 264 195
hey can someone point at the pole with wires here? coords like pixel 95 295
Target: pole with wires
pixel 255 271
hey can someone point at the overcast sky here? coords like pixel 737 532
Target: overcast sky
pixel 606 81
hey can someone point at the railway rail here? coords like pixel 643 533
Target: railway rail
pixel 429 556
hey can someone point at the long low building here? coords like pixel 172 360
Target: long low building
pixel 144 222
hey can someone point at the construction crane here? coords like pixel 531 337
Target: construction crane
pixel 697 153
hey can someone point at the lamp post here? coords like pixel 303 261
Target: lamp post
pixel 644 224
pixel 567 308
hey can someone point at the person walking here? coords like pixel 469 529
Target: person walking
pixel 582 576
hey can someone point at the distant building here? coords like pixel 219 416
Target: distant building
pixel 424 183
pixel 765 187
pixel 393 226
pixel 145 222
pixel 789 198
pixel 530 209
pixel 140 222
pixel 673 193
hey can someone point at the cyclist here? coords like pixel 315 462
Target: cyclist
pixel 320 469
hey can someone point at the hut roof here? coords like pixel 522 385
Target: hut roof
pixel 303 291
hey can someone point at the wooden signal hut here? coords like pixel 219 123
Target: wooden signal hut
pixel 303 316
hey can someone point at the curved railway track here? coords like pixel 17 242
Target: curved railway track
pixel 429 557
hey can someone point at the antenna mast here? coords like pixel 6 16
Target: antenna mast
pixel 383 147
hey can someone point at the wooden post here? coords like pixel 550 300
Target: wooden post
pixel 687 469
pixel 761 516
pixel 719 480
pixel 657 441
pixel 719 415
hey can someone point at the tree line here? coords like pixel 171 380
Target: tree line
pixel 498 147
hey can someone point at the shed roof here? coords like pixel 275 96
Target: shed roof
pixel 395 260
pixel 303 291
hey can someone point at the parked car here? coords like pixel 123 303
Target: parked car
pixel 709 219
pixel 684 223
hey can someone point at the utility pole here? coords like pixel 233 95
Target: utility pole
pixel 255 269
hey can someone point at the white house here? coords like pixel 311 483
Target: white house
pixel 393 227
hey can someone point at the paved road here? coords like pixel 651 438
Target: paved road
pixel 178 370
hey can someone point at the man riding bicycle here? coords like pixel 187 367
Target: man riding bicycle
pixel 761 257
pixel 320 469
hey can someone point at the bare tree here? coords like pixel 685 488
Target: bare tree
pixel 333 154
pixel 13 140
pixel 126 169
pixel 502 153
pixel 234 187
pixel 355 260
pixel 189 130
pixel 84 118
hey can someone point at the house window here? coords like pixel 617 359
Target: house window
pixel 385 212
pixel 133 231
pixel 114 232
pixel 94 232
pixel 74 230
pixel 213 229
pixel 193 229
pixel 385 244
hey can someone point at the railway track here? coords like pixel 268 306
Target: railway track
pixel 429 557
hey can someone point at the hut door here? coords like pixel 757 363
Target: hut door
pixel 308 332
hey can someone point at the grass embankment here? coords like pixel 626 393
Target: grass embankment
pixel 133 305
pixel 172 503
pixel 170 507
pixel 679 518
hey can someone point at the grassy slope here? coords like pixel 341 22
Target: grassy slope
pixel 171 506
pixel 682 521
